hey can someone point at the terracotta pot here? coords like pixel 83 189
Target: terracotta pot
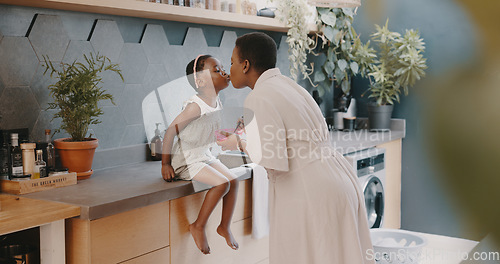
pixel 77 156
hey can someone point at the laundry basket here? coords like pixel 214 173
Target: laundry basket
pixel 396 246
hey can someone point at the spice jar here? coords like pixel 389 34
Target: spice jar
pixel 28 157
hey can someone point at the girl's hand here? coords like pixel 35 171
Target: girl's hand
pixel 230 142
pixel 167 172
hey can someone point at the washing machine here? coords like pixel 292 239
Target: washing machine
pixel 369 165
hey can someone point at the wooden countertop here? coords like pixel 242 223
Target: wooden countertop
pixel 19 213
pixel 120 189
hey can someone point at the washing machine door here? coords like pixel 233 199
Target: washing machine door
pixel 374 201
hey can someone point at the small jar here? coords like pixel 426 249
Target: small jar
pixel 199 3
pixel 224 6
pixel 28 157
pixel 216 5
pixel 209 4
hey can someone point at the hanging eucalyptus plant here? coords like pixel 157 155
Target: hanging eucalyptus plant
pixel 335 39
pixel 293 14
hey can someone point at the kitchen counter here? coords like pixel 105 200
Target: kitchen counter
pixel 120 189
pixel 347 142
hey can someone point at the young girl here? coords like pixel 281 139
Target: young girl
pixel 189 157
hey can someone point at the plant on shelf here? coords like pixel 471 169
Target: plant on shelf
pixel 395 67
pixel 293 14
pixel 76 95
pixel 337 36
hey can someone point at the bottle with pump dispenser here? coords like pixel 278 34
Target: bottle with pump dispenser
pixel 156 144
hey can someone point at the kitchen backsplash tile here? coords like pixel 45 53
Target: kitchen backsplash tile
pixel 129 105
pixel 147 64
pixel 107 39
pixel 133 63
pixel 76 49
pixel 48 37
pixel 155 43
pixel 19 108
pixel 18 61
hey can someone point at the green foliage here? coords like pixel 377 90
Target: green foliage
pixel 337 38
pixel 77 93
pixel 398 66
pixel 293 13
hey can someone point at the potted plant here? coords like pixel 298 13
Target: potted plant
pixel 76 95
pixel 335 39
pixel 395 67
pixel 293 14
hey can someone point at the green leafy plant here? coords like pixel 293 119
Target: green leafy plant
pixel 398 66
pixel 337 37
pixel 293 14
pixel 77 93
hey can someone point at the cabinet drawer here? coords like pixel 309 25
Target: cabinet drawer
pixel 159 256
pixel 130 234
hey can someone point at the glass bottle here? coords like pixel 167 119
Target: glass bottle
pixel 16 155
pixel 156 145
pixel 50 152
pixel 40 166
pixel 4 158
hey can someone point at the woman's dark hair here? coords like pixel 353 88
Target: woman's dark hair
pixel 200 65
pixel 259 49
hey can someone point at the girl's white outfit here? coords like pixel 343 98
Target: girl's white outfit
pixel 191 149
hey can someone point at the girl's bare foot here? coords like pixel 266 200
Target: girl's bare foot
pixel 200 238
pixel 226 233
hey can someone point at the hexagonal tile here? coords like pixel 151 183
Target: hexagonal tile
pixel 107 39
pixel 110 131
pixel 176 61
pixel 48 37
pixel 155 43
pixel 113 84
pixel 45 121
pixel 155 77
pixel 195 42
pixel 133 135
pixel 22 61
pixel 18 107
pixel 130 103
pixel 282 61
pixel 226 46
pixel 40 85
pixel 133 63
pixel 2 86
pixel 76 49
pixel 78 25
pixel 22 17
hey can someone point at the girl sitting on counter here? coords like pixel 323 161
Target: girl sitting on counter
pixel 189 157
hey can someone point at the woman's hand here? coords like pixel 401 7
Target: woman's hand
pixel 167 172
pixel 230 142
pixel 240 124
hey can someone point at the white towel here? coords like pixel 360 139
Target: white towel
pixel 260 201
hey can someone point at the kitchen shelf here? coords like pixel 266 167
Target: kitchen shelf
pixel 135 8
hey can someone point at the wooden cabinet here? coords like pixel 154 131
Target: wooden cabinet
pixel 159 234
pixel 183 248
pixel 392 190
pixel 120 237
